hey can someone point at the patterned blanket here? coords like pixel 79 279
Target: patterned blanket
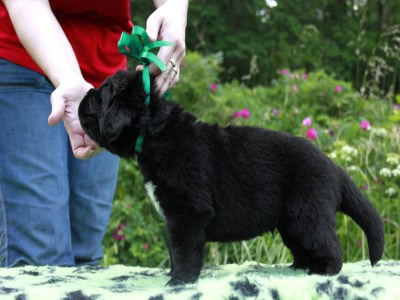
pixel 250 280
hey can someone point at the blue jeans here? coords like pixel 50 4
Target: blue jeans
pixel 54 208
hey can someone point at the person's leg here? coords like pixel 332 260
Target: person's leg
pixel 34 219
pixel 92 187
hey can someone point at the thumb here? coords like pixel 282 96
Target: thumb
pixel 57 108
pixel 153 25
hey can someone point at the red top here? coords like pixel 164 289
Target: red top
pixel 92 27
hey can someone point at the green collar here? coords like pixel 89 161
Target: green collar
pixel 138 45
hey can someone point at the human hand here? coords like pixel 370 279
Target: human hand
pixel 168 23
pixel 65 102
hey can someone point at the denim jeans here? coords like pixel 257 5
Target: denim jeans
pixel 54 208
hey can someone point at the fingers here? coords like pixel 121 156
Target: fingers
pixel 153 25
pixel 57 108
pixel 171 76
pixel 89 142
pixel 83 147
pixel 86 153
pixel 79 148
pixel 160 25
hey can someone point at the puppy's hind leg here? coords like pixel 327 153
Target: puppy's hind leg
pixel 319 245
pixel 300 259
pixel 327 258
pixel 310 235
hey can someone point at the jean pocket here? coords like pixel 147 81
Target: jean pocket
pixel 16 76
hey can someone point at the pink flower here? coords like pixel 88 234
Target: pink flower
pixel 304 75
pixel 365 125
pixel 236 114
pixel 116 234
pixel 306 122
pixel 312 134
pixel 213 87
pixel 338 88
pixel 276 112
pixel 284 72
pixel 244 113
pixel 146 246
pixel 395 106
pixel 294 88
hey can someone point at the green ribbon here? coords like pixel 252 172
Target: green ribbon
pixel 138 45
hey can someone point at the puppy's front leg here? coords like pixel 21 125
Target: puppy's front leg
pixel 171 272
pixel 187 239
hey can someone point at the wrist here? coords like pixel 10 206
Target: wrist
pixel 67 77
pixel 180 3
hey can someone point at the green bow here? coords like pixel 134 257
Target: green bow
pixel 138 45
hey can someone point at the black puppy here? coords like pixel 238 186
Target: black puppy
pixel 228 184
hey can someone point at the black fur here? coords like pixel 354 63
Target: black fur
pixel 229 184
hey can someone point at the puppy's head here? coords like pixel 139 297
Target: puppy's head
pixel 114 114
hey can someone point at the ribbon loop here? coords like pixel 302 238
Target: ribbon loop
pixel 138 45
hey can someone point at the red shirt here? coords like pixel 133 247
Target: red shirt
pixel 92 27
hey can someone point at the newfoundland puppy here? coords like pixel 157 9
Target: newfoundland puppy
pixel 225 184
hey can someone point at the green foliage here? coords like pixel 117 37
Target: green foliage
pixel 142 239
pixel 357 41
pixel 198 72
pixel 370 156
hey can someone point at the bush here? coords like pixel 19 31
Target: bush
pixel 360 135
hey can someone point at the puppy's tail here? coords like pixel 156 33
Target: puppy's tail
pixel 357 206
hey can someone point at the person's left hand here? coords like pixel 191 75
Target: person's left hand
pixel 65 102
pixel 168 23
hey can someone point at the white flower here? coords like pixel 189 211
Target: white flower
pixel 352 168
pixel 396 172
pixel 385 172
pixel 391 191
pixel 379 131
pixel 393 159
pixel 332 155
pixel 350 150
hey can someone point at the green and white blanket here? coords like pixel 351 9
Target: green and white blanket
pixel 250 280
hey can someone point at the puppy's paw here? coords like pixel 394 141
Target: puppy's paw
pixel 181 279
pixel 325 269
pixel 175 282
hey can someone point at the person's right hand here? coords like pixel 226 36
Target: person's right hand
pixel 65 102
pixel 168 23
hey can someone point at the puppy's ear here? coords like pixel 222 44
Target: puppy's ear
pixel 116 119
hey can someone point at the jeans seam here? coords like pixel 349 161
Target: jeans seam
pixel 4 217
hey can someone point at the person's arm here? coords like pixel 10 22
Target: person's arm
pixel 168 22
pixel 45 41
